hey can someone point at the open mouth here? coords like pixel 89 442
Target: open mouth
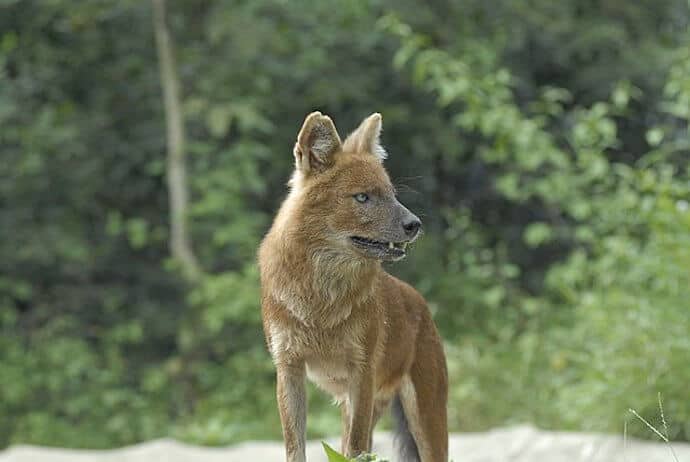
pixel 388 250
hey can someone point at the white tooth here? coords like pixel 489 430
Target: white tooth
pixel 390 245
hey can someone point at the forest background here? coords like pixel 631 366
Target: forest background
pixel 544 144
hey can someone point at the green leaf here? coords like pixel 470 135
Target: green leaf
pixel 333 455
pixel 537 233
pixel 218 120
pixel 654 136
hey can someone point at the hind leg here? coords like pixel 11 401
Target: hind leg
pixel 423 394
pixel 380 405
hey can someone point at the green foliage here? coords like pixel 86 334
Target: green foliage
pixel 335 456
pixel 605 331
pixel 545 145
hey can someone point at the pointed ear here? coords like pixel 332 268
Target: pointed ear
pixel 367 137
pixel 317 142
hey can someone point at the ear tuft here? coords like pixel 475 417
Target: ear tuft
pixel 367 138
pixel 317 142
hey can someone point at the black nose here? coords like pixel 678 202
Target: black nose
pixel 412 226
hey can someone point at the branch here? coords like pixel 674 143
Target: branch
pixel 180 245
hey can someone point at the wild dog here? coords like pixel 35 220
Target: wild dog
pixel 331 313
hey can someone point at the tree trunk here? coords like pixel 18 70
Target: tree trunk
pixel 180 245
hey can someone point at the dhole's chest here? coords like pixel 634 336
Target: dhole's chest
pixel 330 355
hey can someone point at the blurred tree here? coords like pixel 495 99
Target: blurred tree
pixel 176 169
pixel 589 344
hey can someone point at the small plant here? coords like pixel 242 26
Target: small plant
pixel 335 456
pixel 663 436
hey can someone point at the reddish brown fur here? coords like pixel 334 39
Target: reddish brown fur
pixel 332 313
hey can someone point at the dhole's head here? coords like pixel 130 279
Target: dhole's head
pixel 346 200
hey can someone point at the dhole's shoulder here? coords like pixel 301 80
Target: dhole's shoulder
pixel 398 291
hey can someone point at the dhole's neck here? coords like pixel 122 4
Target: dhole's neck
pixel 318 283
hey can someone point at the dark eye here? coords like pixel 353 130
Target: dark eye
pixel 361 197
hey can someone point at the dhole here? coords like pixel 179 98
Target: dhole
pixel 330 311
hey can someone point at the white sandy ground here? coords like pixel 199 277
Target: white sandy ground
pixel 515 444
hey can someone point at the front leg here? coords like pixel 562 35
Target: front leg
pixel 361 407
pixel 345 420
pixel 292 404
